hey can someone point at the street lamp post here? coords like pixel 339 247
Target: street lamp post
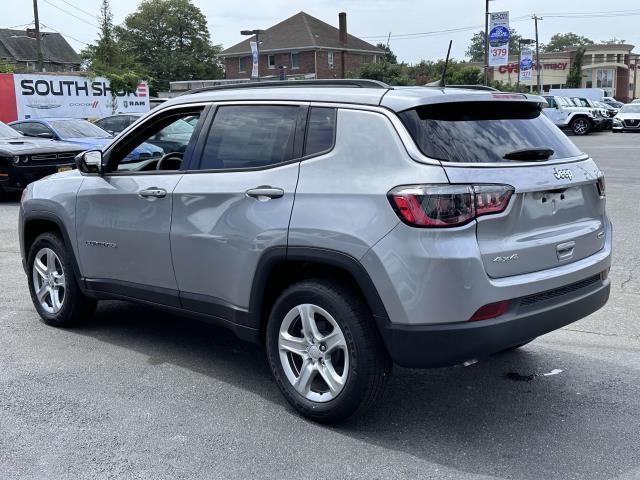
pixel 257 33
pixel 522 41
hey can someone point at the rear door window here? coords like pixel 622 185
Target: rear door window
pixel 250 136
pixel 483 132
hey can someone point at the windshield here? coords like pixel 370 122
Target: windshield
pixel 7 132
pixel 630 108
pixel 179 127
pixel 77 129
pixel 565 102
pixel 484 132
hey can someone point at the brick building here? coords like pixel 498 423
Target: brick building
pixel 18 47
pixel 303 45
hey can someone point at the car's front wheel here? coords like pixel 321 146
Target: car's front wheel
pixel 52 283
pixel 325 351
pixel 580 126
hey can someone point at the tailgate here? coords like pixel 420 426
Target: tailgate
pixel 556 216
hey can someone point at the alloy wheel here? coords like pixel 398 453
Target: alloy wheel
pixel 49 280
pixel 580 126
pixel 313 352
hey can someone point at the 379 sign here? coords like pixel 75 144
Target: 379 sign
pixel 498 39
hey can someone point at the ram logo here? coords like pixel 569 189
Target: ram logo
pixel 562 173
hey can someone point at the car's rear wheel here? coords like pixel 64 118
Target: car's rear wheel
pixel 53 285
pixel 325 351
pixel 580 126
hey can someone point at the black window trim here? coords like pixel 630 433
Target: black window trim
pixel 202 108
pixel 299 140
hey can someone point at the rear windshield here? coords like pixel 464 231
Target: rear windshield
pixel 483 132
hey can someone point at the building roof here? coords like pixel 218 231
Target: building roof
pixel 17 45
pixel 301 31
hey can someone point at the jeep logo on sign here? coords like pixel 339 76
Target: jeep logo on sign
pixel 561 173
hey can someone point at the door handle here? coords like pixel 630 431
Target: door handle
pixel 565 250
pixel 265 193
pixel 153 192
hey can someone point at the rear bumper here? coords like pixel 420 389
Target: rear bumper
pixel 16 178
pixel 422 346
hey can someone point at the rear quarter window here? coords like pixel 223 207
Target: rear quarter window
pixel 483 132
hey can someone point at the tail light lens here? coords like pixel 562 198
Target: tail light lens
pixel 438 206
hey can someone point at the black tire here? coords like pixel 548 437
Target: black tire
pixel 76 307
pixel 581 126
pixel 369 363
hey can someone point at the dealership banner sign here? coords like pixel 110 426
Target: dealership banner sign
pixel 254 56
pixel 526 65
pixel 498 39
pixel 36 95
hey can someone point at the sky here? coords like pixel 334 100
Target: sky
pixel 371 20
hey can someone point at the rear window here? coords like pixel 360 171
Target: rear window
pixel 483 132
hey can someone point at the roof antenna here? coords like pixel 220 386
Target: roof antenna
pixel 440 83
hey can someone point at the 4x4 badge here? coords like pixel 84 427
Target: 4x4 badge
pixel 561 173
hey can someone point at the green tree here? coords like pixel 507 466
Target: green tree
pixel 562 41
pixel 390 73
pixel 105 59
pixel 574 78
pixel 171 40
pixel 475 51
pixel 389 56
pixel 6 66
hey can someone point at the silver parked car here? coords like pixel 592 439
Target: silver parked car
pixel 345 225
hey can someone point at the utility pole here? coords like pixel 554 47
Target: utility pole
pixel 36 21
pixel 486 42
pixel 536 18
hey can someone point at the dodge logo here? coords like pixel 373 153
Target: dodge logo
pixel 561 173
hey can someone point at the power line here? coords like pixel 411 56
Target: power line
pixel 597 14
pixel 92 15
pixel 64 34
pixel 72 14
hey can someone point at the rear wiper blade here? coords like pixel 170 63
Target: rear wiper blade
pixel 530 154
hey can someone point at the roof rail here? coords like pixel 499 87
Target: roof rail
pixel 468 87
pixel 352 83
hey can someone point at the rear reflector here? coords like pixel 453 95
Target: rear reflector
pixel 491 310
pixel 437 206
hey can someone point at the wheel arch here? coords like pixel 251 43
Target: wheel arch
pixel 37 223
pixel 281 266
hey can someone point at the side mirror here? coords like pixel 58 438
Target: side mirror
pixel 45 135
pixel 89 161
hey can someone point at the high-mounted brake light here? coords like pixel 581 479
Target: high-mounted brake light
pixel 438 206
pixel 508 96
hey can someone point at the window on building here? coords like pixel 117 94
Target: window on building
pixel 366 59
pixel 604 78
pixel 295 60
pixel 242 64
pixel 271 61
pixel 320 130
pixel 330 59
pixel 249 136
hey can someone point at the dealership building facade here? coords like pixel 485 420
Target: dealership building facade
pixel 610 67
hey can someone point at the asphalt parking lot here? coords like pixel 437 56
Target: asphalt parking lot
pixel 138 393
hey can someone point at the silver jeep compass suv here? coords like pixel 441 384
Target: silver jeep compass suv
pixel 346 225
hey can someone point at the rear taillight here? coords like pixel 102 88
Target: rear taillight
pixel 437 206
pixel 602 187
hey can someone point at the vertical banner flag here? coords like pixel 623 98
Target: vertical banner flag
pixel 254 55
pixel 526 65
pixel 498 39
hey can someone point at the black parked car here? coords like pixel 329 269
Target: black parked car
pixel 26 159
